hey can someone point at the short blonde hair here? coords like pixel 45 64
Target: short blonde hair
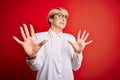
pixel 53 11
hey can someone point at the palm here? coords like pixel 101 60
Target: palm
pixel 80 44
pixel 29 44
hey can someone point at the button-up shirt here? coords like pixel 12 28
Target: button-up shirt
pixel 56 58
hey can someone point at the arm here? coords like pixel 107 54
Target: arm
pixel 76 58
pixel 78 47
pixel 36 63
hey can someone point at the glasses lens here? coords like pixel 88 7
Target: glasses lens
pixel 61 16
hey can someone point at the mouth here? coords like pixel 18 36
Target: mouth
pixel 62 23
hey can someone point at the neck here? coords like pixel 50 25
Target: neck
pixel 56 29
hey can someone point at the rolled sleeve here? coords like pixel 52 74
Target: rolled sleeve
pixel 76 61
pixel 35 64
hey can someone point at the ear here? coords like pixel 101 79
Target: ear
pixel 50 19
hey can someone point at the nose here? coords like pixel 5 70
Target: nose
pixel 64 19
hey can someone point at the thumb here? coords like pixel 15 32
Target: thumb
pixel 72 44
pixel 42 42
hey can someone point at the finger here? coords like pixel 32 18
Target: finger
pixel 86 36
pixel 88 42
pixel 22 33
pixel 78 37
pixel 32 30
pixel 17 40
pixel 83 34
pixel 42 42
pixel 26 30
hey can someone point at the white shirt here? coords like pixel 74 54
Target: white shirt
pixel 56 59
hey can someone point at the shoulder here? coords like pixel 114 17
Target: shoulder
pixel 41 33
pixel 40 36
pixel 69 36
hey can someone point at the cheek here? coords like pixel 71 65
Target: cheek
pixel 56 20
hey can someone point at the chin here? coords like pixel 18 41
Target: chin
pixel 62 27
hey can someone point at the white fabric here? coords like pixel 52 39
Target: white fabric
pixel 56 59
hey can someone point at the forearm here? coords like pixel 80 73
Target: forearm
pixel 76 61
pixel 35 64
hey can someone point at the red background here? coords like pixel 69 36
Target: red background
pixel 101 18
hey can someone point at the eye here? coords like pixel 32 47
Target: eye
pixel 60 15
pixel 66 17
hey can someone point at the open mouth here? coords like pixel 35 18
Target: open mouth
pixel 62 23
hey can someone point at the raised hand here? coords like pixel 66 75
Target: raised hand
pixel 29 43
pixel 81 43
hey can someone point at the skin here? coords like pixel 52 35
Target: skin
pixel 57 25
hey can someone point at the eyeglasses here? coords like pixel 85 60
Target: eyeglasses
pixel 61 16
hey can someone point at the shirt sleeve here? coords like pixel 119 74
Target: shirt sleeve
pixel 76 60
pixel 35 64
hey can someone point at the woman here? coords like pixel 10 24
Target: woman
pixel 53 53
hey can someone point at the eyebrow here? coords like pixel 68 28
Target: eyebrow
pixel 62 14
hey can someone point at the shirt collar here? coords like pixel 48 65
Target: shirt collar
pixel 52 33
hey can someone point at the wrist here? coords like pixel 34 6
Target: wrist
pixel 31 57
pixel 78 51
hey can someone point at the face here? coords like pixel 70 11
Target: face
pixel 60 19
